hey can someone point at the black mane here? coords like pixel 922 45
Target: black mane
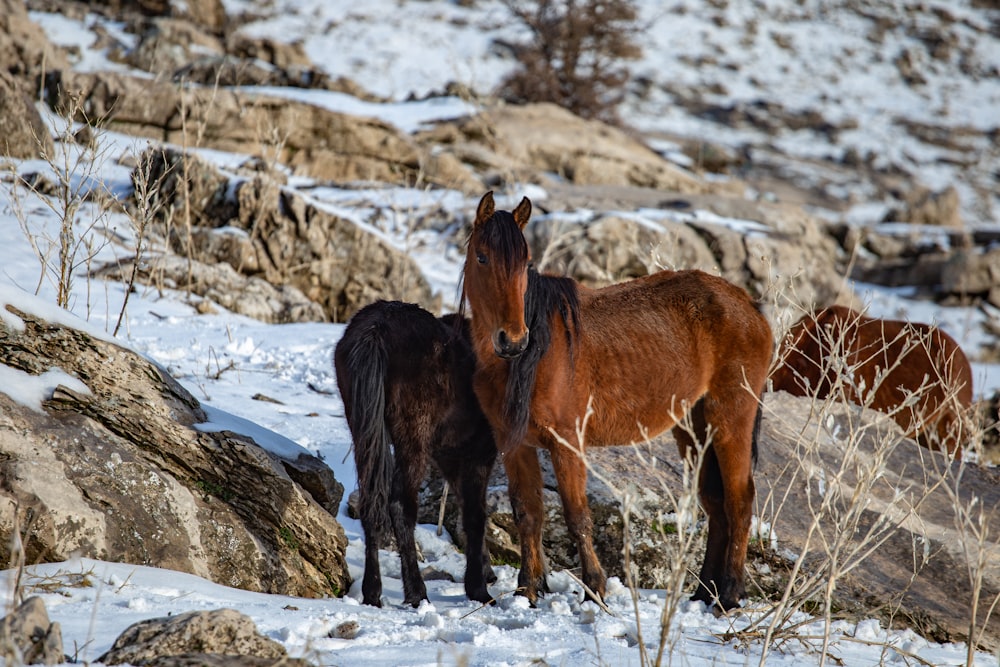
pixel 502 235
pixel 544 296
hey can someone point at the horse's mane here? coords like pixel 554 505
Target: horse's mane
pixel 502 234
pixel 544 296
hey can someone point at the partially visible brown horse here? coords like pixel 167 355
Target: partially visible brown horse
pixel 892 358
pixel 642 354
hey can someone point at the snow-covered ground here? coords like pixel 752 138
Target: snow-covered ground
pixel 225 359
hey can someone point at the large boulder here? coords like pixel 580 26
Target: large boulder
pixel 103 458
pixel 779 253
pixel 220 284
pixel 166 45
pixel 921 206
pixel 955 265
pixel 528 141
pixel 271 233
pixel 25 50
pixel 23 133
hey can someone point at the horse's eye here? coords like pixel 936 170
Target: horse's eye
pixel 481 257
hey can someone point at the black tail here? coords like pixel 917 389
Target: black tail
pixel 362 363
pixel 756 432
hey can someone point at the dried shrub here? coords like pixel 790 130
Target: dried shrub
pixel 573 54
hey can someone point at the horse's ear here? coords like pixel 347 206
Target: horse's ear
pixel 522 213
pixel 486 208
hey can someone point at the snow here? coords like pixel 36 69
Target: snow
pixel 226 360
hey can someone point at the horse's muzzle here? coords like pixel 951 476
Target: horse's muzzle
pixel 507 348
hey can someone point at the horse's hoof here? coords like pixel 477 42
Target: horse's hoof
pixel 485 599
pixel 372 602
pixel 531 595
pixel 480 595
pixel 720 610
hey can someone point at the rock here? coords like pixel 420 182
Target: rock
pixel 221 284
pixel 167 45
pixel 924 207
pixel 944 263
pixel 973 273
pixel 27 637
pixel 112 467
pixel 219 660
pixel 25 50
pixel 207 14
pixel 23 133
pixel 536 138
pixel 312 140
pixel 220 637
pixel 281 55
pixel 273 234
pixel 610 248
pixel 774 250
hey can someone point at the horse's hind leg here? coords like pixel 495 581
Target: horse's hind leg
pixel 403 510
pixel 371 583
pixel 571 476
pixel 691 440
pixel 727 479
pixel 524 479
pixel 726 490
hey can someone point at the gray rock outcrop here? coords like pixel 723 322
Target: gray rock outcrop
pixel 111 465
pixel 267 232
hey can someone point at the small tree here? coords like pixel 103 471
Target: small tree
pixel 573 54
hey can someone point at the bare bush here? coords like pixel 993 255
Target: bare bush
pixel 71 189
pixel 573 54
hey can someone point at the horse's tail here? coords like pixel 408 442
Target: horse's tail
pixel 366 359
pixel 756 433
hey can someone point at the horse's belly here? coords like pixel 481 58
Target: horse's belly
pixel 626 424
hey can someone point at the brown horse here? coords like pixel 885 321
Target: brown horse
pixel 882 363
pixel 406 380
pixel 641 354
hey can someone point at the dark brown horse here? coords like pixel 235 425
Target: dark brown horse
pixel 641 354
pixel 406 380
pixel 837 346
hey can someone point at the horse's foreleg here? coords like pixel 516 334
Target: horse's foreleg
pixel 524 479
pixel 571 477
pixel 478 572
pixel 403 510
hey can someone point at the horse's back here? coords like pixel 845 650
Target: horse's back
pixel 652 344
pixel 690 314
